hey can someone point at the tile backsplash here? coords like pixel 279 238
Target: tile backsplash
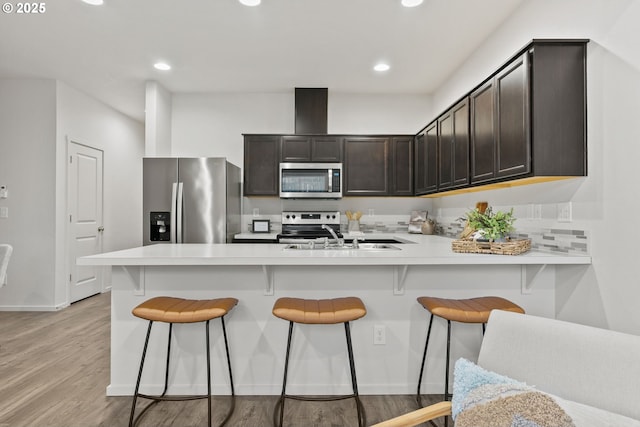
pixel 543 239
pixel 556 240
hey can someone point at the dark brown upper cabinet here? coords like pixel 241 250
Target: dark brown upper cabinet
pixel 301 148
pixel 453 147
pixel 426 160
pixel 500 125
pixel 378 165
pixel 529 118
pixel 261 165
pixel 401 166
pixel 366 166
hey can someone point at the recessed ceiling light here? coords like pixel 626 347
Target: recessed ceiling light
pixel 411 3
pixel 250 2
pixel 162 66
pixel 381 67
pixel 94 2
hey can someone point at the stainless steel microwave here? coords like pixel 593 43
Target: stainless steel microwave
pixel 310 180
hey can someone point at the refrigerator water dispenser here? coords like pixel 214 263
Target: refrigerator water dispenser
pixel 160 230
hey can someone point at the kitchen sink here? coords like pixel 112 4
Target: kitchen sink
pixel 370 240
pixel 377 246
pixel 346 247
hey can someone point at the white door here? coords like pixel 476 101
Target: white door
pixel 85 218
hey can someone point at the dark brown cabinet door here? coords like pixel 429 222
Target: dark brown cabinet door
pixel 311 148
pixel 500 124
pixel 296 148
pixel 366 166
pixel 482 133
pixel 401 166
pixel 453 147
pixel 461 143
pixel 513 149
pixel 261 161
pixel 445 150
pixel 426 166
pixel 326 149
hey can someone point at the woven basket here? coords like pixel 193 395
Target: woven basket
pixel 510 247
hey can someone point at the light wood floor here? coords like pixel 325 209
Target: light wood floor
pixel 54 370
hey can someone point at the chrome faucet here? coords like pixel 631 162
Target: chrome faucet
pixel 356 242
pixel 339 241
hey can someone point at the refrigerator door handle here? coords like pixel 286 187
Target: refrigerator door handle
pixel 179 208
pixel 172 228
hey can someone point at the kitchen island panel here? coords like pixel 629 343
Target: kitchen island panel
pixel 319 362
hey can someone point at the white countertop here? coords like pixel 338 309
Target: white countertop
pixel 426 250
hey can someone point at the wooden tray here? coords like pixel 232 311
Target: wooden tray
pixel 510 247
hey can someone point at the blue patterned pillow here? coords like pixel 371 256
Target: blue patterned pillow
pixel 467 376
pixel 482 398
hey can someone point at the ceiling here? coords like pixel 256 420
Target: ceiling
pixel 108 51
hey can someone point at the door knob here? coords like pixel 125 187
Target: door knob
pixel 100 229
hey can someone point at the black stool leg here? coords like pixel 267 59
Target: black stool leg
pixel 447 396
pixel 359 407
pixel 208 375
pixel 135 393
pixel 166 369
pixel 233 392
pixel 424 358
pixel 279 419
pixel 133 422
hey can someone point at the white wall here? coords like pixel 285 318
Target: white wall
pixel 28 169
pixel 84 120
pixel 604 203
pixel 36 118
pixel 157 120
pixel 213 124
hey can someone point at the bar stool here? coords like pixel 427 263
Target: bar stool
pixel 319 312
pixel 177 310
pixel 474 310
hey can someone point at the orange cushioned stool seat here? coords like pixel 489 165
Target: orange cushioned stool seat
pixel 179 310
pixel 319 312
pixel 323 311
pixel 472 310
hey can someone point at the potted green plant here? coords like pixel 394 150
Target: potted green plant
pixel 489 225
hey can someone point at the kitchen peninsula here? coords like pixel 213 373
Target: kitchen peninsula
pixel 388 281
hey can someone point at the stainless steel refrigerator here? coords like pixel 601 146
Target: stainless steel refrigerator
pixel 190 200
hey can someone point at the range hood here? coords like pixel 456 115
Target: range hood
pixel 311 110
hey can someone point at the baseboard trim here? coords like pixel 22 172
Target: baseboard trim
pixel 30 308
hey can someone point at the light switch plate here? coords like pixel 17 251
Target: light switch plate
pixel 4 212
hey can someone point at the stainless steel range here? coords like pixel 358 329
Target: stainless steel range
pixel 309 225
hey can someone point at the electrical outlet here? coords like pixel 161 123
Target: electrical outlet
pixel 530 211
pixel 534 211
pixel 537 211
pixel 372 212
pixel 379 335
pixel 256 211
pixel 4 212
pixel 564 212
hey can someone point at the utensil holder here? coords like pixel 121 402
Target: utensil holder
pixel 354 225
